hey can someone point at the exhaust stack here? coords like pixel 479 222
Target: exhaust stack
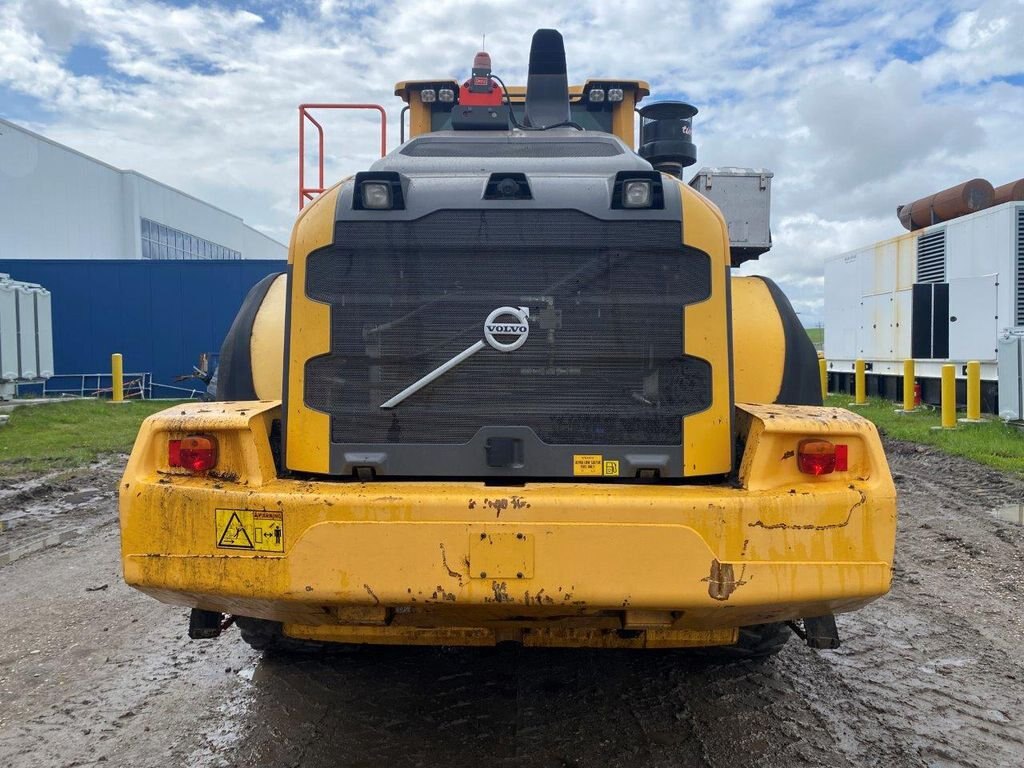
pixel 1009 192
pixel 547 86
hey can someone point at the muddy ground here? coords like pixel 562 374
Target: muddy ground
pixel 92 673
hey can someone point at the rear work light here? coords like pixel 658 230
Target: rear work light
pixel 637 194
pixel 196 453
pixel 819 457
pixel 376 195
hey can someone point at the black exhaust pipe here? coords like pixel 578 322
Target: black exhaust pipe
pixel 547 87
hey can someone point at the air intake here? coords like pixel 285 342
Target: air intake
pixel 1020 266
pixel 547 85
pixel 931 257
pixel 666 136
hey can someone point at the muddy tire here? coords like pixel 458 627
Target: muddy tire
pixel 756 642
pixel 268 636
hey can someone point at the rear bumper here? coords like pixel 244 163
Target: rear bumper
pixel 412 561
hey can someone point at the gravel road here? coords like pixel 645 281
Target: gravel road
pixel 933 675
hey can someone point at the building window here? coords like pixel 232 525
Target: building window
pixel 163 242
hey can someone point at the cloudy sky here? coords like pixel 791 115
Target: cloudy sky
pixel 856 105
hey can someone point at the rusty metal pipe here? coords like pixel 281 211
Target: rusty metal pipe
pixel 968 197
pixel 1009 192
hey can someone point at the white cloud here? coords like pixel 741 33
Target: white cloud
pixel 855 105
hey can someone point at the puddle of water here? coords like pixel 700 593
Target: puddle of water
pixel 1011 513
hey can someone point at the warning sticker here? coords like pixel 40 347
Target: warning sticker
pixel 611 468
pixel 258 530
pixel 587 464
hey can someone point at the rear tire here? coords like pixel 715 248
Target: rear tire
pixel 754 643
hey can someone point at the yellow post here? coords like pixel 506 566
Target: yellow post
pixel 948 396
pixel 860 388
pixel 908 385
pixel 973 390
pixel 823 375
pixel 117 373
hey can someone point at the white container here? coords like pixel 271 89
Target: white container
pixel 1011 375
pixel 26 331
pixel 744 196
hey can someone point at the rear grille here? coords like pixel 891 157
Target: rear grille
pixel 603 363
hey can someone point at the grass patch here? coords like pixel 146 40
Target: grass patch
pixel 993 442
pixel 817 335
pixel 67 434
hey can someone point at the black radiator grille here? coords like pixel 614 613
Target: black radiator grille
pixel 603 363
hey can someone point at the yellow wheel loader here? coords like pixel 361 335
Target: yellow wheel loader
pixel 508 391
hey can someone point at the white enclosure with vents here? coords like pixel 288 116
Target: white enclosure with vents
pixel 26 334
pixel 946 293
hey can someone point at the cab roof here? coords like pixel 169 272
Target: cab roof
pixel 517 93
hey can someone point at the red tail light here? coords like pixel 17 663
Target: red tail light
pixel 196 453
pixel 816 457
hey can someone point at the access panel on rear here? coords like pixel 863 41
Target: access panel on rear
pixel 566 333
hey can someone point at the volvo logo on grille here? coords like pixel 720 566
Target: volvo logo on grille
pixel 511 324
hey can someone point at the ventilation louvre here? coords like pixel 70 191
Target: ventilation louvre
pixel 1020 266
pixel 931 257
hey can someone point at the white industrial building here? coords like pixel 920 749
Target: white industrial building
pixel 948 293
pixel 57 203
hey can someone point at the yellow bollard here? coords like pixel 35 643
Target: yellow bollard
pixel 949 397
pixel 973 390
pixel 908 386
pixel 860 387
pixel 117 373
pixel 823 375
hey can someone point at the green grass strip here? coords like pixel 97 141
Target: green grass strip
pixel 70 433
pixel 993 442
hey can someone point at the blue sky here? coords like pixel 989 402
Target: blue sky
pixel 855 105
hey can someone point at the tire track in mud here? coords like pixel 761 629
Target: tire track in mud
pixel 56 507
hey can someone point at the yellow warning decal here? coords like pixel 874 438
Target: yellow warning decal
pixel 587 464
pixel 611 468
pixel 257 530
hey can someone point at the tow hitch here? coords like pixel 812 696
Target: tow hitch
pixel 819 632
pixel 206 625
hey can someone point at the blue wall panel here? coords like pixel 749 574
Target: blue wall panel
pixel 159 314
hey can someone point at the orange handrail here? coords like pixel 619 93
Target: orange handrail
pixel 308 193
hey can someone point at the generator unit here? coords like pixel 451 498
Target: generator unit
pixel 943 293
pixel 26 335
